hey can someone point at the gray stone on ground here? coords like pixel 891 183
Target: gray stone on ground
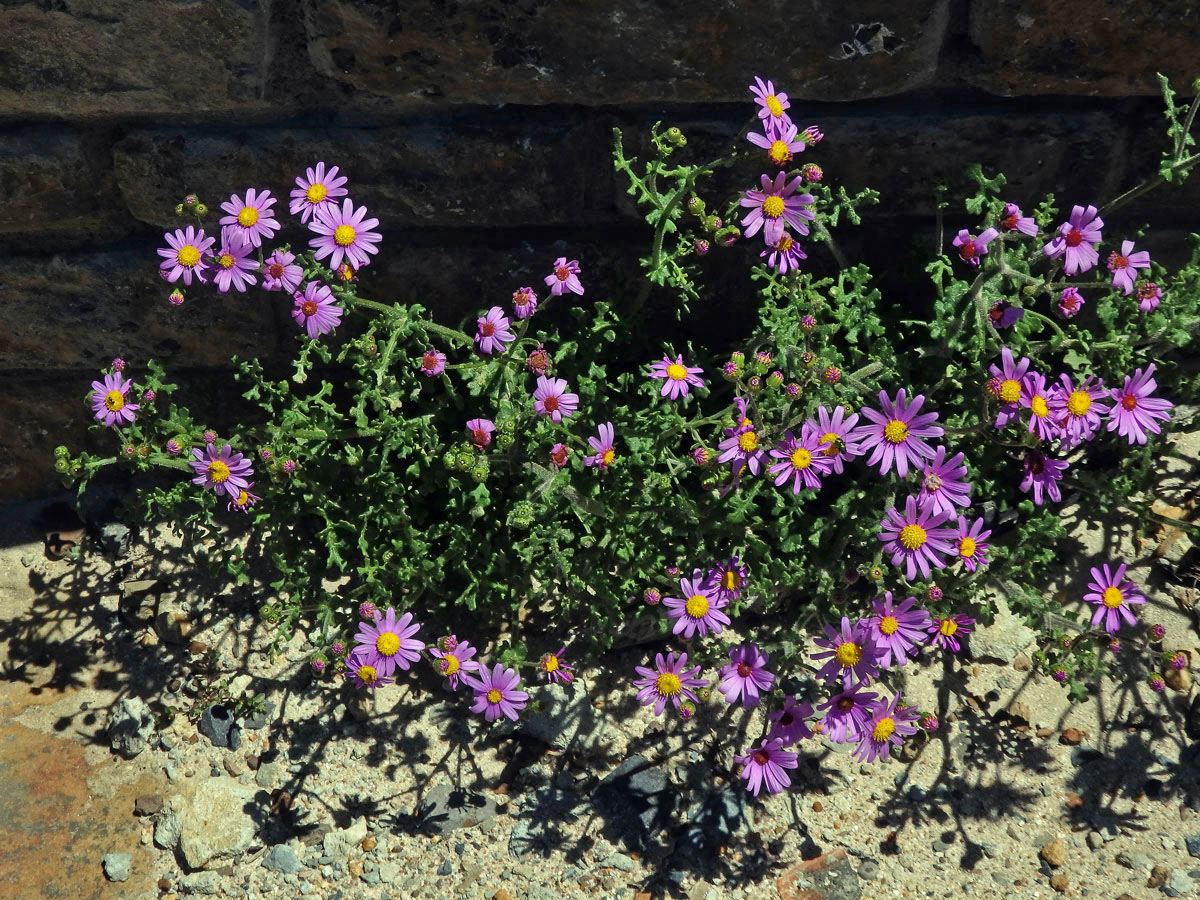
pixel 268 774
pixel 562 715
pixel 1179 884
pixel 117 866
pixel 218 725
pixel 340 842
pixel 114 538
pixel 216 824
pixel 131 727
pixel 167 829
pixel 1005 638
pixel 200 883
pixel 636 801
pixel 446 808
pixel 282 858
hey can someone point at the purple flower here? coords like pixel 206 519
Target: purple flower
pixel 1113 594
pixel 889 724
pixel 1036 398
pixel 1134 410
pixel 667 681
pixel 1123 264
pixel 1008 390
pixel 1077 411
pixel 727 579
pixel 971 248
pixel 853 656
pixel 771 105
pixel 971 546
pixel 1148 294
pixel 480 431
pixel 790 724
pixel 929 722
pixel 746 675
pixel 225 472
pixel 554 668
pixel 698 611
pixel 943 486
pixel 280 273
pixel 390 641
pixel 602 443
pixel 1004 315
pixel 344 232
pixel 916 539
pixel 1012 220
pixel 250 218
pixel 947 631
pixel 433 363
pixel 174 448
pixel 1076 240
pixel 233 263
pixel 767 766
pixel 455 662
pixel 524 302
pixel 774 206
pixel 538 361
pixel 243 501
pixel 1070 302
pixel 316 191
pixel 550 398
pixel 368 610
pixel 741 448
pixel 676 377
pixel 801 460
pixel 847 713
pixel 784 255
pixel 898 631
pixel 558 455
pixel 780 142
pixel 110 401
pixel 496 693
pixel 839 437
pixel 492 334
pixel 315 310
pixel 565 277
pixel 896 433
pixel 1042 475
pixel 362 670
pixel 651 596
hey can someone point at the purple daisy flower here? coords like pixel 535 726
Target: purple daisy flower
pixel 362 670
pixel 602 443
pixel 280 272
pixel 243 501
pixel 1077 411
pixel 225 472
pixel 698 611
pixel 790 724
pixel 1148 294
pixel 971 547
pixel 1004 315
pixel 1123 266
pixel 727 579
pixel 1012 220
pixel 1008 390
pixel 492 334
pixel 766 766
pixel 896 433
pixel 553 667
pixel 771 105
pixel 774 206
pixel 1113 594
pixel 1036 398
pixel 971 248
pixel 455 661
pixel 186 255
pixel 524 302
pixel 433 363
pixel 1042 475
pixel 315 310
pixel 916 539
pixel 943 485
pixel 1134 410
pixel 316 191
pixel 839 437
pixel 746 676
pixel 853 658
pixel 496 692
pixel 889 724
pixel 1070 302
pixel 564 277
pixel 551 398
pixel 676 376
pixel 344 232
pixel 667 681
pixel 781 142
pixel 740 449
pixel 898 631
pixel 784 255
pixel 110 400
pixel 1076 240
pixel 947 631
pixel 847 713
pixel 801 460
pixel 233 263
pixel 480 431
pixel 538 361
pixel 250 218
pixel 390 641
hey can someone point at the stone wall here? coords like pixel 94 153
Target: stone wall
pixel 479 133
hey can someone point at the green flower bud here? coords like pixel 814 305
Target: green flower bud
pixel 270 613
pixel 508 426
pixel 664 483
pixel 775 380
pixel 505 439
pixel 201 210
pixel 62 466
pixel 675 136
pixel 450 459
pixel 479 471
pixel 696 206
pixel 521 515
pixel 61 452
pixel 755 383
pixel 179 209
pixel 463 460
pixel 704 694
pixel 713 223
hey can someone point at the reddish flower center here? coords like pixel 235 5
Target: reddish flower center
pixel 559 456
pixel 309 307
pixel 1008 223
pixel 1074 237
pixel 480 437
pixel 562 273
pixel 275 270
pixel 1069 301
pixel 1037 464
pixel 967 250
pixel 845 705
pixel 787 719
pixel 550 404
pixel 1117 261
pixel 1147 290
pixel 487 329
pixel 933 483
pixel 1129 402
pixel 995 314
pixel 743 670
pixel 429 361
pixel 539 360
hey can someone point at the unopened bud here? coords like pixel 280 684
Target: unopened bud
pixel 695 206
pixel 727 237
pixel 775 379
pixel 179 209
pixel 191 201
pixel 479 471
pixel 201 210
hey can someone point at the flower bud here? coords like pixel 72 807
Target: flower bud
pixel 505 439
pixel 807 323
pixel 755 384
pixel 812 172
pixel 129 450
pixel 833 374
pixel 61 452
pixel 695 206
pixel 318 664
pixel 704 694
pixel 762 362
pixel 143 451
pixel 700 247
pixel 727 237
pixel 731 371
pixel 62 466
pixel 675 136
pixel 450 460
pixel 479 471
pixel 179 209
pixel 808 357
pixel 368 611
pixel 463 460
pixel 793 390
pixel 713 223
pixel 176 297
pixel 201 210
pixel 687 709
pixel 929 722
pixel 651 596
pixel 521 515
pixel 775 379
pixel 702 456
pixel 270 613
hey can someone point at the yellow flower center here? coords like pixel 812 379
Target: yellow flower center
pixel 1039 406
pixel 1113 597
pixel 1010 391
pixel 494 696
pixel 779 153
pixel 773 105
pixel 550 663
pixel 225 260
pixel 187 255
pixel 834 443
pixel 697 606
pixel 609 456
pixel 773 207
pixel 242 498
pixel 387 643
pixel 889 625
pixel 895 432
pixel 451 663
pixel 315 193
pixel 785 243
pixel 948 627
pixel 848 654
pixel 668 685
pixel 966 548
pixel 368 674
pixel 731 581
pixel 309 307
pixel 1078 403
pixel 883 729
pixel 114 401
pixel 676 372
pixel 912 536
pixel 218 472
pixel 800 458
pixel 748 441
pixel 343 236
pixel 248 216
